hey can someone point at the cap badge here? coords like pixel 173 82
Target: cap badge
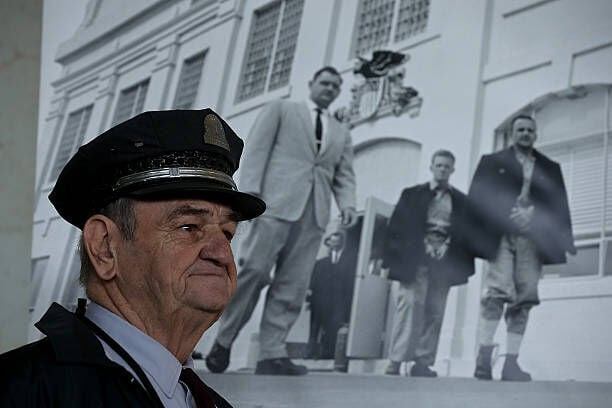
pixel 214 133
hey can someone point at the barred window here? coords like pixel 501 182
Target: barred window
pixel 379 21
pixel 412 18
pixel 131 102
pixel 189 82
pixel 270 48
pixel 74 132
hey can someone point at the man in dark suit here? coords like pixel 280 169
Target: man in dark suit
pixel 520 206
pixel 301 156
pixel 331 293
pixel 425 250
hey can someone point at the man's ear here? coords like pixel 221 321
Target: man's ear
pixel 100 236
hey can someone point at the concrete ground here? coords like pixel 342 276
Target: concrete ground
pixel 329 389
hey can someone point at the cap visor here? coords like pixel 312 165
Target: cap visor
pixel 247 206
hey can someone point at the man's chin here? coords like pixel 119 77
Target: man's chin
pixel 208 304
pixel 325 102
pixel 209 310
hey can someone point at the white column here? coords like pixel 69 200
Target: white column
pixel 20 29
pixel 163 72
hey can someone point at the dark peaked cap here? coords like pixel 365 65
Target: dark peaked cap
pixel 159 154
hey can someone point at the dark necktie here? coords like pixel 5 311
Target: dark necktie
pixel 200 391
pixel 318 128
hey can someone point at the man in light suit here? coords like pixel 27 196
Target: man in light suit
pixel 298 156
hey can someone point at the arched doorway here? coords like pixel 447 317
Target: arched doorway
pixel 384 167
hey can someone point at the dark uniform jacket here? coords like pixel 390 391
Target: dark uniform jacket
pixel 404 249
pixel 68 368
pixel 495 187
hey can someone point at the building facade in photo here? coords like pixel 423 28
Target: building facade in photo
pixel 460 72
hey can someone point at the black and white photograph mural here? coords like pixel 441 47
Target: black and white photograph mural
pixel 437 177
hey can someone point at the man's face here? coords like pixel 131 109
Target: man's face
pixel 524 133
pixel 324 89
pixel 180 257
pixel 442 167
pixel 334 242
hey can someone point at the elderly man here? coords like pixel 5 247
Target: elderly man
pixel 157 206
pixel 524 222
pixel 426 251
pixel 297 157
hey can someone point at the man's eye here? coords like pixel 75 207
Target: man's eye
pixel 228 235
pixel 189 227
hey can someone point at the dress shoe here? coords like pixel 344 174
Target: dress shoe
pixel 218 358
pixel 393 368
pixel 421 370
pixel 483 363
pixel 279 366
pixel 512 371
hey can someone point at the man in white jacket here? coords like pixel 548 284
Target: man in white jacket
pixel 297 154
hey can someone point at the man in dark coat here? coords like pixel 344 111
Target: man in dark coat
pixel 425 250
pixel 520 206
pixel 331 294
pixel 157 206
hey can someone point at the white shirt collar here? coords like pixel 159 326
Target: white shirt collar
pixel 521 156
pixel 312 106
pixel 161 366
pixel 335 255
pixel 433 184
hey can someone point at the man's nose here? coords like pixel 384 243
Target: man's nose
pixel 217 246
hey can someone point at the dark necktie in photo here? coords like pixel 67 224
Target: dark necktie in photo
pixel 318 129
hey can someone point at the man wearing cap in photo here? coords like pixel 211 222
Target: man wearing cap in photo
pixel 157 206
pixel 425 250
pixel 297 156
pixel 521 210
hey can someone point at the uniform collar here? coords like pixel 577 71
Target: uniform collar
pixel 71 340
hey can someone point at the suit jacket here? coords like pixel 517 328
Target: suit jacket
pixel 331 288
pixel 69 368
pixel 281 164
pixel 404 249
pixel 496 185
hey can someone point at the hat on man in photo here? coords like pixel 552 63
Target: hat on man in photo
pixel 155 155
